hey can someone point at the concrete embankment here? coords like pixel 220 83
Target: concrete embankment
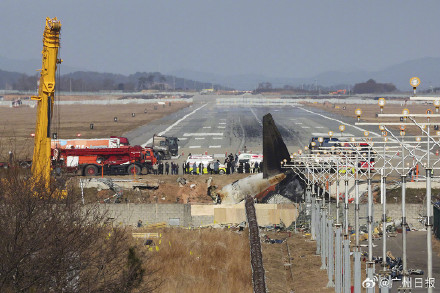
pixel 187 215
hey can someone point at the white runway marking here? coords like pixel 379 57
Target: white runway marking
pixel 183 138
pixel 194 146
pixel 318 127
pixel 298 123
pixel 174 124
pixel 204 134
pixel 217 138
pixel 255 115
pixel 339 121
pixel 215 146
pixel 305 127
pixel 222 127
pixel 206 126
pixel 199 138
pixel 222 123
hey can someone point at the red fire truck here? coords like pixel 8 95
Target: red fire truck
pixel 108 161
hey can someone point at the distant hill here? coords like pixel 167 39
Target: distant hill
pixel 97 81
pixel 7 79
pixel 427 69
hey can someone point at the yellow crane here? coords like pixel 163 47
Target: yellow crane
pixel 41 161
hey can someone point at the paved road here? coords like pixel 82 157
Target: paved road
pixel 416 251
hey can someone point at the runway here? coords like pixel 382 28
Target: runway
pixel 206 127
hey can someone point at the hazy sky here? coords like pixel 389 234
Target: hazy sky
pixel 274 38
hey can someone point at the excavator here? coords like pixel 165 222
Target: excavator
pixel 41 161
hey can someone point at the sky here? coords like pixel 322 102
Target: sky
pixel 274 38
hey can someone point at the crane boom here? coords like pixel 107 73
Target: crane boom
pixel 41 162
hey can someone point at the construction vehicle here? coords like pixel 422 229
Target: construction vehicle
pixel 41 162
pixel 82 143
pixel 165 147
pixel 106 161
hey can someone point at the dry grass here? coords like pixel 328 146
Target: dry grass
pixel 19 123
pixel 307 275
pixel 204 260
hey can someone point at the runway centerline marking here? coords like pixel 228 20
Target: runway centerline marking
pixel 206 126
pixel 194 146
pixel 215 146
pixel 199 138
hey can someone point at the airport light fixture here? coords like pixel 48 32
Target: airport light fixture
pixel 321 140
pixel 414 82
pixel 330 133
pixel 358 113
pixel 366 133
pixel 436 105
pixel 381 103
pixel 341 128
pixel 405 113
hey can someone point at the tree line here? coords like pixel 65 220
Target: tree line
pixel 96 81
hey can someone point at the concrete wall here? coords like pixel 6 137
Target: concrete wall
pixel 186 215
pixel 130 214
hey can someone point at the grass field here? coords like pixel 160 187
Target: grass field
pixel 17 124
pixel 218 260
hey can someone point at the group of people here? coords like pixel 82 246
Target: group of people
pixel 231 165
pixel 161 168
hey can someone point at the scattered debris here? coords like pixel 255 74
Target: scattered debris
pixel 181 181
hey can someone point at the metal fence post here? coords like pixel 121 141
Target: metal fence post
pixel 347 265
pixel 338 259
pixel 331 254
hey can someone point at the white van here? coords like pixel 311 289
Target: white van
pixel 206 160
pixel 250 157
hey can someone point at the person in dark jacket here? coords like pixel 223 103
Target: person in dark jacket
pixel 200 168
pixel 216 166
pixel 161 168
pixel 167 168
pixel 247 167
pixel 184 168
pixel 194 171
